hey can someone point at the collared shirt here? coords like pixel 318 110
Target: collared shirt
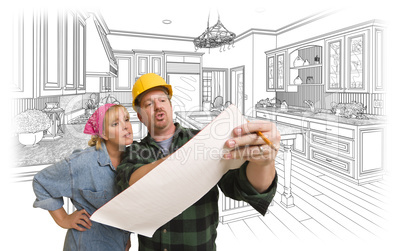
pixel 195 228
pixel 87 178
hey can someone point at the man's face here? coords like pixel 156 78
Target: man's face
pixel 156 111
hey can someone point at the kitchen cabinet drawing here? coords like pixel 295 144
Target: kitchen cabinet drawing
pixel 276 71
pixel 148 61
pixel 321 78
pixel 302 71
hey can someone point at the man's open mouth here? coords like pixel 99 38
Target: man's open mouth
pixel 160 115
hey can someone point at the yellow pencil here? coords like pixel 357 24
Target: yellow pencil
pixel 266 140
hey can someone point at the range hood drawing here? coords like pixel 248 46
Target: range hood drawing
pixel 100 58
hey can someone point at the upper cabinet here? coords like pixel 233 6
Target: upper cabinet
pixel 125 79
pixel 270 72
pixel 51 49
pixel 290 67
pixel 280 71
pixel 347 60
pixel 68 21
pixel 334 63
pixel 73 53
pixel 347 64
pixel 52 75
pixel 277 71
pixel 25 49
pixel 135 63
pixel 378 57
pixel 306 65
pixel 148 62
pixel 81 54
pixel 357 47
pixel 354 61
pixel 63 53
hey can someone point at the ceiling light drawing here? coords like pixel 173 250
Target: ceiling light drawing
pixel 215 36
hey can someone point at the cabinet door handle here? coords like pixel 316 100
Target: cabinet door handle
pixel 328 129
pixel 328 160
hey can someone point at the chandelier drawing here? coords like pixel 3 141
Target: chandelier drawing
pixel 214 37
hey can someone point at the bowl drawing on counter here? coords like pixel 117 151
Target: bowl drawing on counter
pixel 349 110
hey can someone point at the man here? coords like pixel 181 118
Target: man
pixel 254 182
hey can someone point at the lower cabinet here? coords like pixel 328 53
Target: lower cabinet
pixel 332 148
pixel 353 152
pixel 265 115
pixel 349 151
pixel 332 143
pixel 371 152
pixel 332 161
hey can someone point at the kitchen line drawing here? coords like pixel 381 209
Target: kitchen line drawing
pixel 326 86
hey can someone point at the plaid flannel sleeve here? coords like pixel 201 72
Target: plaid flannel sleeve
pixel 234 184
pixel 132 160
pixel 124 171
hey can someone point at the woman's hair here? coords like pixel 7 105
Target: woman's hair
pixel 96 140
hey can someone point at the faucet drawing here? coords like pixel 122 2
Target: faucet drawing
pixel 310 104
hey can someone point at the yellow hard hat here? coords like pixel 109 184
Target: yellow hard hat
pixel 149 81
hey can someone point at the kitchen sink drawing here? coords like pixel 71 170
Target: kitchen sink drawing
pixel 318 74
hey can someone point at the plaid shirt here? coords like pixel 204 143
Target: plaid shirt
pixel 195 228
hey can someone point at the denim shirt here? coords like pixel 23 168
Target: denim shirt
pixel 87 178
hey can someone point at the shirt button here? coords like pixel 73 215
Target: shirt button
pixel 164 231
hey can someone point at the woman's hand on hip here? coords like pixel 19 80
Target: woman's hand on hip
pixel 78 220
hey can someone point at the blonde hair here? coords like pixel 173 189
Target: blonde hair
pixel 96 140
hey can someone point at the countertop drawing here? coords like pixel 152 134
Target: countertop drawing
pixel 50 152
pixel 324 116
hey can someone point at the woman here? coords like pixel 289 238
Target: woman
pixel 87 178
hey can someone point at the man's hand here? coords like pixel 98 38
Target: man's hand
pixel 73 220
pixel 249 146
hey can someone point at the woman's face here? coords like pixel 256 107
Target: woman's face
pixel 118 130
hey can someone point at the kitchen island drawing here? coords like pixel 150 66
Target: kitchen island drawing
pixel 320 77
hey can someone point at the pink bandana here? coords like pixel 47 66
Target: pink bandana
pixel 94 126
